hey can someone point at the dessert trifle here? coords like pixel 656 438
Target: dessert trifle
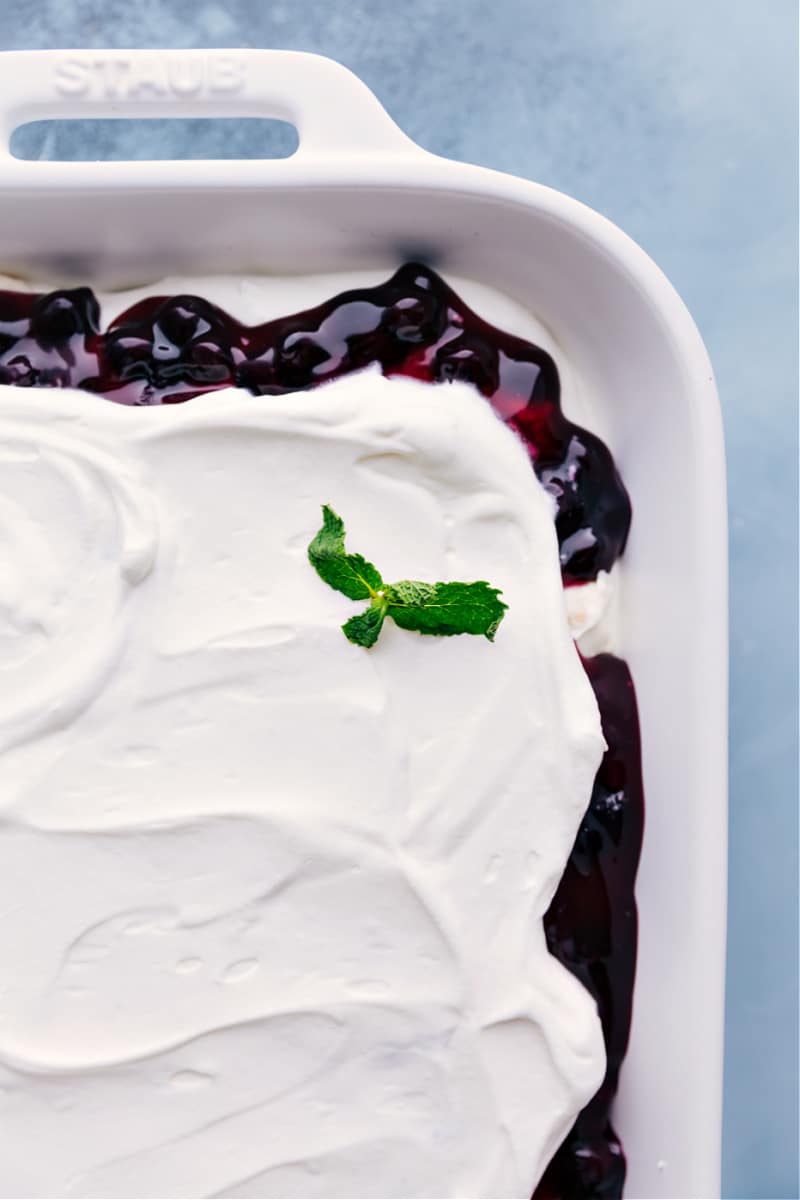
pixel 319 829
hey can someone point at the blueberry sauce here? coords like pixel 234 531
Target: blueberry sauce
pixel 165 350
pixel 591 928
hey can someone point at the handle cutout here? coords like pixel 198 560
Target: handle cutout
pixel 92 139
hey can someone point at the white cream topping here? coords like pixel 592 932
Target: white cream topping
pixel 251 299
pixel 592 612
pixel 272 904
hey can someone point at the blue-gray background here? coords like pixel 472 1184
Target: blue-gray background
pixel 677 119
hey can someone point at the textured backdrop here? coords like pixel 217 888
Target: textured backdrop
pixel 677 119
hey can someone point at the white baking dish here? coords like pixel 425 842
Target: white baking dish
pixel 359 194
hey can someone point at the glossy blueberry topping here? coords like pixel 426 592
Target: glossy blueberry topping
pixel 165 350
pixel 591 927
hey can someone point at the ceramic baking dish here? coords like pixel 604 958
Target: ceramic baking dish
pixel 358 193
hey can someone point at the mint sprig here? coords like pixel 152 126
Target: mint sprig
pixel 348 573
pixel 440 609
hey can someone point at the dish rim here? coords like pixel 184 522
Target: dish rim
pixel 354 143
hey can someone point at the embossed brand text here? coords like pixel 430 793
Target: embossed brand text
pixel 145 76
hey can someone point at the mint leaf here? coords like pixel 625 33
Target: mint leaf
pixel 440 609
pixel 364 629
pixel 347 573
pixel 411 592
pixel 445 609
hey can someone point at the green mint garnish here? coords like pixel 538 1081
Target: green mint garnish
pixel 441 609
pixel 348 573
pixel 364 629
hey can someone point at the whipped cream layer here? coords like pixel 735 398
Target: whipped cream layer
pixel 252 299
pixel 271 903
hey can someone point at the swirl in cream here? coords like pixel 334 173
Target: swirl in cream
pixel 70 510
pixel 272 904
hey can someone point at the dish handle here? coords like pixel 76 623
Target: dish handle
pixel 333 111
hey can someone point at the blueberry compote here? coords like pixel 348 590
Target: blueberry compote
pixel 591 929
pixel 167 349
